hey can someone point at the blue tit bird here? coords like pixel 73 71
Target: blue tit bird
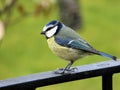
pixel 67 44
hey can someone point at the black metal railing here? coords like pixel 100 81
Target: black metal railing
pixel 31 82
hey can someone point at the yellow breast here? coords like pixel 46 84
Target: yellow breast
pixel 63 52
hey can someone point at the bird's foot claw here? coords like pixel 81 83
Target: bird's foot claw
pixel 65 71
pixel 72 69
pixel 59 71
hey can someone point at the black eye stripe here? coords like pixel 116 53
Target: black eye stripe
pixel 49 28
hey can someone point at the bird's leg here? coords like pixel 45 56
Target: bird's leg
pixel 67 68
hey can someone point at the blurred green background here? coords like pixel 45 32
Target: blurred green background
pixel 24 51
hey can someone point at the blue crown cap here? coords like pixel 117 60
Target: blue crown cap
pixel 52 23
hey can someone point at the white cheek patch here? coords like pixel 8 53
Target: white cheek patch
pixel 51 32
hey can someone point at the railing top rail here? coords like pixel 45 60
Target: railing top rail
pixel 49 78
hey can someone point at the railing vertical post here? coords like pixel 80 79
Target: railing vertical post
pixel 107 82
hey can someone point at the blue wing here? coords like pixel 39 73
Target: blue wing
pixel 75 44
pixel 81 45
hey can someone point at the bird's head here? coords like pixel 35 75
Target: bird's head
pixel 52 28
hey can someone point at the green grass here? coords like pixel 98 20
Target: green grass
pixel 24 51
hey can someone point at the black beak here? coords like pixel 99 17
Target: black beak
pixel 43 32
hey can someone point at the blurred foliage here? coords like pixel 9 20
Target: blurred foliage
pixel 8 8
pixel 24 51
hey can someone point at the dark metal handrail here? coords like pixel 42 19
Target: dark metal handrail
pixel 31 82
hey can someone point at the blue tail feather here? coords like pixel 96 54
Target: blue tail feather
pixel 107 55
